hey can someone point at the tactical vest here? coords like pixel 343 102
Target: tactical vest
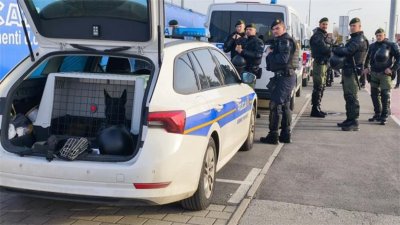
pixel 293 62
pixel 361 53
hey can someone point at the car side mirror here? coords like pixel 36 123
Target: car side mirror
pixel 248 78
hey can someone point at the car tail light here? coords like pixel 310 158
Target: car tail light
pixel 151 185
pixel 171 121
pixel 304 58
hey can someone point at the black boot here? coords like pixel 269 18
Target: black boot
pixel 285 137
pixel 315 101
pixel 344 123
pixel 271 138
pixel 315 112
pixel 385 106
pixel 376 117
pixel 376 102
pixel 351 126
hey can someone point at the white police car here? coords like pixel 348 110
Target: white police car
pixel 96 111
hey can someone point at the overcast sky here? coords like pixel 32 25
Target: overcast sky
pixel 373 13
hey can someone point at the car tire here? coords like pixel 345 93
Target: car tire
pixel 248 144
pixel 298 92
pixel 292 102
pixel 305 82
pixel 205 190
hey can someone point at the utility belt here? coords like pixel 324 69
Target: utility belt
pixel 284 73
pixel 348 71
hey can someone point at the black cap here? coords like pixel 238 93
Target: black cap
pixel 251 25
pixel 379 31
pixel 354 20
pixel 276 22
pixel 323 20
pixel 173 22
pixel 239 22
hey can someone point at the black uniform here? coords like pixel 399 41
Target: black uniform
pixel 230 43
pixel 253 49
pixel 380 57
pixel 282 61
pixel 355 52
pixel 321 51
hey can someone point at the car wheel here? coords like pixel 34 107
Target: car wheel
pixel 298 92
pixel 248 144
pixel 202 197
pixel 305 82
pixel 292 102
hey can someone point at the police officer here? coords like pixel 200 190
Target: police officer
pixel 321 51
pixel 282 60
pixel 379 64
pixel 252 50
pixel 355 52
pixel 236 38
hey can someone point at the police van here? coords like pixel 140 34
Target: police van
pixel 105 108
pixel 221 19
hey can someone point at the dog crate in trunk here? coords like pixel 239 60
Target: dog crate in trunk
pixel 85 105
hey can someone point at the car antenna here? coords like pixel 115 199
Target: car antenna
pixel 26 34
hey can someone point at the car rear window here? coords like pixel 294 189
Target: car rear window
pixel 92 19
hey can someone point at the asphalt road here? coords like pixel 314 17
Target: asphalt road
pixel 328 176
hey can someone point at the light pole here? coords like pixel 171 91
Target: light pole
pixel 351 10
pixel 309 12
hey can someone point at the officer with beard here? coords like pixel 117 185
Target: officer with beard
pixel 236 38
pixel 355 52
pixel 321 51
pixel 282 59
pixel 380 65
pixel 252 50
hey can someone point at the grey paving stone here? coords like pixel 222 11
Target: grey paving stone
pixel 86 222
pixel 201 213
pixel 89 215
pixel 177 218
pixel 202 220
pixel 221 222
pixel 35 219
pixel 153 215
pixel 133 220
pixel 219 215
pixel 60 221
pixel 213 207
pixel 12 218
pixel 157 222
pixel 230 209
pixel 108 218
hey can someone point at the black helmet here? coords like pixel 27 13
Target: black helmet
pixel 115 140
pixel 336 62
pixel 238 61
pixel 382 56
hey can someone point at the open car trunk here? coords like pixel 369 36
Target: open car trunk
pixel 79 107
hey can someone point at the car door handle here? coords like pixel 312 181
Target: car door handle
pixel 218 107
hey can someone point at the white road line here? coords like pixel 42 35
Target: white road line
pixel 243 188
pixel 235 218
pixel 233 181
pixel 395 119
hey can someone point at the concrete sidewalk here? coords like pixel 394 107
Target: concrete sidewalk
pixel 328 176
